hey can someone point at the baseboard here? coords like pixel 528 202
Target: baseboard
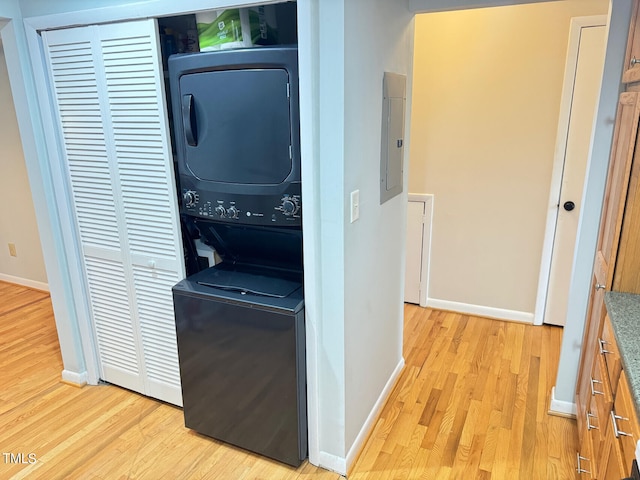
pixel 332 462
pixel 25 282
pixel 481 311
pixel 341 465
pixel 366 429
pixel 74 378
pixel 560 407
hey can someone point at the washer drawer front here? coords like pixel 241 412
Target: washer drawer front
pixel 243 375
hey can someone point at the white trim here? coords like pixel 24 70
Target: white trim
pixel 481 310
pixel 332 462
pixel 371 420
pixel 308 45
pixel 419 197
pixel 577 24
pixel 427 228
pixel 638 451
pixel 74 377
pixel 561 407
pixel 67 225
pixel 25 282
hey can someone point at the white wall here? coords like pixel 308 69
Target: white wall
pixel 487 89
pixel 330 225
pixel 17 216
pixel 378 38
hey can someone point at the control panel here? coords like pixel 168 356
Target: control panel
pixel 283 209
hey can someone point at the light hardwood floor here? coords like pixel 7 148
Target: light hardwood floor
pixel 471 403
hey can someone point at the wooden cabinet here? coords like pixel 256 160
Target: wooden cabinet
pixel 624 148
pixel 624 421
pixel 607 423
pixel 608 426
pixel 627 271
pixel 611 463
pixel 609 349
pixel 632 63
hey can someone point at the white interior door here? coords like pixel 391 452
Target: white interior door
pixel 419 210
pixel 109 97
pixel 415 213
pixel 584 94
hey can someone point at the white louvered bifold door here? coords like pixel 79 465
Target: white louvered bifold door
pixel 109 94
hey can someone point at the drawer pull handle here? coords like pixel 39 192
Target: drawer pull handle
pixel 614 419
pixel 580 469
pixel 593 389
pixel 601 344
pixel 634 61
pixel 589 426
pixel 600 286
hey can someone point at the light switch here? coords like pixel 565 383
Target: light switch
pixel 355 205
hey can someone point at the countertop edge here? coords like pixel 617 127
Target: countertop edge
pixel 624 311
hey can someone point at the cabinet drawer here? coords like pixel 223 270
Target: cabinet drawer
pixel 624 422
pixel 608 348
pixel 601 397
pixel 585 465
pixel 611 465
pixel 596 426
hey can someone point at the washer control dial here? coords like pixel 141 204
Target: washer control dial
pixel 290 206
pixel 190 198
pixel 221 211
pixel 232 212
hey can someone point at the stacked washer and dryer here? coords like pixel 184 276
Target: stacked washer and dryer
pixel 240 323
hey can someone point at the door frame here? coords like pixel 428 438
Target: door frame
pixel 577 24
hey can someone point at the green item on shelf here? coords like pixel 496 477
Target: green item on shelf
pixel 218 29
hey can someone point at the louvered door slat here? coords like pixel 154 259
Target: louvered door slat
pixel 98 179
pixel 142 154
pixel 113 328
pixel 155 310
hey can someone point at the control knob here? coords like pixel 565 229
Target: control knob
pixel 289 206
pixel 189 198
pixel 232 212
pixel 220 210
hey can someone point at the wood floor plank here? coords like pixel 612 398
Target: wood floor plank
pixel 15 297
